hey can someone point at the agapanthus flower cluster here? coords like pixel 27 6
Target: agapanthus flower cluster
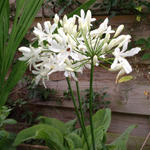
pixel 71 44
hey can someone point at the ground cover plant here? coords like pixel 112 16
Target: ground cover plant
pixel 6 138
pixel 72 45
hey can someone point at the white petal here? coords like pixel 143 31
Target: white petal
pixel 39 26
pixel 125 64
pixel 56 19
pixel 125 46
pixel 114 65
pixel 131 52
pixel 47 25
pixel 24 49
pixel 23 58
pixel 53 27
pixel 104 24
pixel 116 52
pixel 82 14
pixel 74 56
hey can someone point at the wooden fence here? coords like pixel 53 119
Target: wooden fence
pixel 130 102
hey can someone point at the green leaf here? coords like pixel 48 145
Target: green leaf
pixel 15 75
pixel 71 125
pixel 146 56
pixel 54 123
pixel 6 140
pixel 99 135
pixel 84 6
pixel 38 132
pixel 121 142
pixel 26 10
pixel 125 79
pixel 76 140
pixel 147 46
pixel 141 41
pixel 51 141
pixel 9 121
pixel 102 118
pixel 3 133
pixel 69 143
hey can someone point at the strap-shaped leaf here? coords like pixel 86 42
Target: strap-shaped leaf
pixel 25 12
pixel 15 75
pixel 4 27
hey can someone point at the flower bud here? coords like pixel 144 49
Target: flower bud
pixel 24 49
pixel 104 48
pixel 119 30
pixel 56 19
pixel 39 26
pixel 95 60
pixel 107 37
pixel 112 44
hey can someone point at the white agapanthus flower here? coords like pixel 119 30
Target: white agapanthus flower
pixel 30 54
pixel 120 63
pixel 85 20
pixel 71 45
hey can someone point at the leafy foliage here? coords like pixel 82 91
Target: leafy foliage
pixel 115 7
pixel 99 99
pixel 4 112
pixel 120 142
pixel 145 44
pixel 84 6
pixel 6 138
pixel 58 135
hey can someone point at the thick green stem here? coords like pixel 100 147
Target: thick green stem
pixel 91 104
pixel 81 113
pixel 77 112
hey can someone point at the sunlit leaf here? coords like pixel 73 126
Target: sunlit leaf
pixel 125 79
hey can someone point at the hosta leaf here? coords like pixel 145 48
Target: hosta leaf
pixel 54 123
pixel 71 125
pixel 69 143
pixel 39 132
pixel 99 135
pixel 102 118
pixel 76 140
